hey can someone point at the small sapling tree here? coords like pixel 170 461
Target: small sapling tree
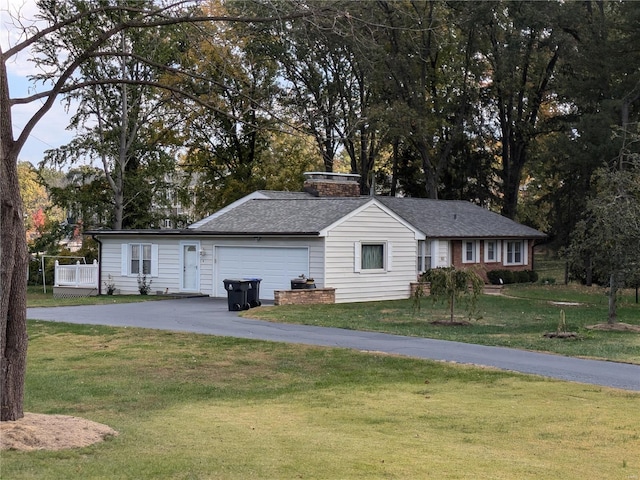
pixel 452 286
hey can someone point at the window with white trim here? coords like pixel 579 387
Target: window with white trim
pixel 491 253
pixel 424 255
pixel 515 252
pixel 139 259
pixel 372 257
pixel 470 251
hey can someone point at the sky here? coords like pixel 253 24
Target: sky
pixel 51 130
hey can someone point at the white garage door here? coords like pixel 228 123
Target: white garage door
pixel 275 266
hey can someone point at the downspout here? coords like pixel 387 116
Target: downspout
pixel 99 263
pixel 533 254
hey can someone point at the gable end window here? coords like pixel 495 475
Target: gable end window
pixel 372 257
pixel 139 259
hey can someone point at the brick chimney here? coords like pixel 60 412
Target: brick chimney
pixel 326 184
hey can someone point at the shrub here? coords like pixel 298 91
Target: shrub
pixel 499 277
pixel 110 285
pixel 144 286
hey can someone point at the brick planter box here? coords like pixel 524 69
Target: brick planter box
pixel 304 296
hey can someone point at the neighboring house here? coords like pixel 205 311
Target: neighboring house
pixel 367 248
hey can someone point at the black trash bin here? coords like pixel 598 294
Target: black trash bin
pixel 253 294
pixel 237 294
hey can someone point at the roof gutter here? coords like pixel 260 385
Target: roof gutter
pixel 192 233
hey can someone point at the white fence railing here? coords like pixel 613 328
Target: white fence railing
pixel 78 275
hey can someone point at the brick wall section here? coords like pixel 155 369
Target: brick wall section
pixel 426 288
pixel 304 296
pixel 332 188
pixel 481 267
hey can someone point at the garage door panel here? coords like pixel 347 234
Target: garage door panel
pixel 275 266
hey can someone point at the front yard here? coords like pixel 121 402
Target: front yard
pixel 189 406
pixel 518 318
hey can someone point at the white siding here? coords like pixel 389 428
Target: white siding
pixel 442 253
pixel 169 269
pixel 168 265
pixel 376 226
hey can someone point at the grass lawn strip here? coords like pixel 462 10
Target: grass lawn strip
pixel 517 319
pixel 190 406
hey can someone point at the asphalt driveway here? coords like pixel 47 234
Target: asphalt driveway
pixel 211 317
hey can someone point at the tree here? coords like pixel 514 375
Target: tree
pixel 34 197
pixel 85 196
pixel 225 144
pixel 120 125
pixel 427 82
pixel 599 86
pixel 61 78
pixel 608 237
pixel 526 42
pixel 327 86
pixel 451 285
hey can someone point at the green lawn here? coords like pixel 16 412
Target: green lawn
pixel 202 407
pixel 518 318
pixel 37 297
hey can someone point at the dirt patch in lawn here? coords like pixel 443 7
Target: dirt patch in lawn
pixel 616 327
pixel 51 432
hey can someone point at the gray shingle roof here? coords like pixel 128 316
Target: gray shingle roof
pixel 301 213
pixel 297 215
pixel 456 219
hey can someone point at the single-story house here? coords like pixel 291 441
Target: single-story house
pixel 366 247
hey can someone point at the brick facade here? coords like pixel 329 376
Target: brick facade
pixel 482 267
pixel 304 296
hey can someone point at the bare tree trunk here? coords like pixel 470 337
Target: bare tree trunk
pixel 429 172
pixel 13 270
pixel 452 302
pixel 394 169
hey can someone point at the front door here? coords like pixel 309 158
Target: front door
pixel 190 264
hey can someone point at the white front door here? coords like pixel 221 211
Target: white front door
pixel 190 267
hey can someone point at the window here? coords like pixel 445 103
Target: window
pixel 515 254
pixel 139 259
pixel 491 253
pixel 470 251
pixel 424 255
pixel 372 257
